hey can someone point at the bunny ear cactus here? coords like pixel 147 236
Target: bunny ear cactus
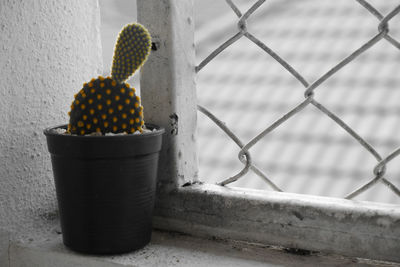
pixel 131 51
pixel 109 104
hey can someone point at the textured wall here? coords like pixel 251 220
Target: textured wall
pixel 47 50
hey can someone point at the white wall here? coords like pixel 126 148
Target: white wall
pixel 47 50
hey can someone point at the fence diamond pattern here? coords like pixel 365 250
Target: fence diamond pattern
pixel 383 34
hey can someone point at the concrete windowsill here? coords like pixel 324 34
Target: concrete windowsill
pixel 44 248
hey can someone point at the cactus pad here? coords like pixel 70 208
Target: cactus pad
pixel 104 105
pixel 131 51
pixel 109 105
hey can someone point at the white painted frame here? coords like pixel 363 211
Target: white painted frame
pixel 346 227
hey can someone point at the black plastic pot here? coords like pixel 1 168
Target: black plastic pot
pixel 105 189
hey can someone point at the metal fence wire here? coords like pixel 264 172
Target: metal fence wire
pixel 383 34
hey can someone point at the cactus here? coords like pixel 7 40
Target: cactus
pixel 131 51
pixel 109 104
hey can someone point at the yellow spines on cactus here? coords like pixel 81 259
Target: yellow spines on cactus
pixel 131 51
pixel 104 105
pixel 107 105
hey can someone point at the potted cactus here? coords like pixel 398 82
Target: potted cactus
pixel 105 160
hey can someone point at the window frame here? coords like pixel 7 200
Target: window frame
pixel 184 204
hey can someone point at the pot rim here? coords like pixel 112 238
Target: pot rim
pixel 49 131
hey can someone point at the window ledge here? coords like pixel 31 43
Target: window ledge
pixel 333 226
pixel 44 248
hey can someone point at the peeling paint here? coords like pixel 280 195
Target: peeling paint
pixel 174 123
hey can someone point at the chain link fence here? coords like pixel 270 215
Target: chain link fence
pixel 378 174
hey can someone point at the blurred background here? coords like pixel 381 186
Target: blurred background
pixel 249 90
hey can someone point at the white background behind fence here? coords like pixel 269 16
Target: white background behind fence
pixel 249 90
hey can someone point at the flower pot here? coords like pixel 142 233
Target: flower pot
pixel 105 188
